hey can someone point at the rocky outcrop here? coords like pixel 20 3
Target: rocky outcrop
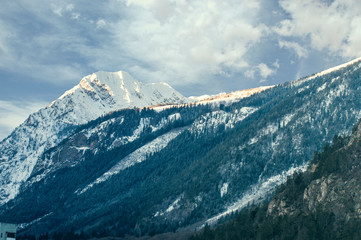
pixel 338 192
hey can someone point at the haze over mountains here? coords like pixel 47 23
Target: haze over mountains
pixel 101 159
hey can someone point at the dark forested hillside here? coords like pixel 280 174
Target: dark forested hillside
pixel 146 171
pixel 322 203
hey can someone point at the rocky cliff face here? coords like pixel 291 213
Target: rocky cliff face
pixel 336 190
pixel 331 193
pixel 321 203
pixel 95 95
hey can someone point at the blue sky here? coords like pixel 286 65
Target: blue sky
pixel 197 46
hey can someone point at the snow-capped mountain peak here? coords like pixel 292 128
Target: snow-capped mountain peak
pixel 96 94
pixel 171 164
pixel 121 90
pixel 114 82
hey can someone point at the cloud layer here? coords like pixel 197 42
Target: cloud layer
pixel 197 46
pixel 188 41
pixel 178 41
pixel 323 25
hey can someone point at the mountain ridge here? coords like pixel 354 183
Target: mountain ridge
pixel 322 202
pixel 96 94
pixel 222 154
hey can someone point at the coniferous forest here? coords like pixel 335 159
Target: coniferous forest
pixel 291 214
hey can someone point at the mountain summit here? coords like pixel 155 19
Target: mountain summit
pixel 116 90
pixel 96 94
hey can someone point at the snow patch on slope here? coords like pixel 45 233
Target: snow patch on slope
pixel 270 129
pixel 224 189
pixel 25 225
pixel 258 192
pixel 135 157
pixel 99 128
pixel 171 118
pixel 227 98
pixel 322 87
pixel 212 121
pixel 143 124
pixel 332 94
pixel 174 205
pixel 217 99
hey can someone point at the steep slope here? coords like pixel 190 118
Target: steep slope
pixel 95 95
pixel 220 158
pixel 227 98
pixel 322 203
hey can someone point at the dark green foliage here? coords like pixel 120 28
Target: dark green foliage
pixel 70 235
pixel 315 226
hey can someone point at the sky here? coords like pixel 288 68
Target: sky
pixel 197 46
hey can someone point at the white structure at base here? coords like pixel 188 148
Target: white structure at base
pixel 7 231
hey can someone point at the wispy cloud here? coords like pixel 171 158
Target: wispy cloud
pixel 299 50
pixel 189 40
pixel 166 40
pixel 265 71
pixel 14 113
pixel 37 44
pixel 262 71
pixel 328 25
pixel 182 42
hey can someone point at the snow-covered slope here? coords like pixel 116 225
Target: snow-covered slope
pixel 96 94
pixel 104 92
pixel 227 98
pixel 175 166
pixel 218 99
pixel 327 71
pixel 137 156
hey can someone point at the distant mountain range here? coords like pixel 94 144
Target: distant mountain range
pixel 113 156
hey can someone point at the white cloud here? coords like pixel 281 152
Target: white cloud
pixel 142 3
pixel 262 70
pixel 285 28
pixel 250 73
pixel 330 26
pixel 352 46
pixel 300 51
pixel 14 113
pixel 101 23
pixel 60 9
pixel 178 41
pixel 75 15
pixel 276 64
pixel 190 39
pixel 265 71
pixel 5 35
pixel 161 9
pixel 69 7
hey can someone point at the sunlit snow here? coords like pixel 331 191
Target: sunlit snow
pixel 96 95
